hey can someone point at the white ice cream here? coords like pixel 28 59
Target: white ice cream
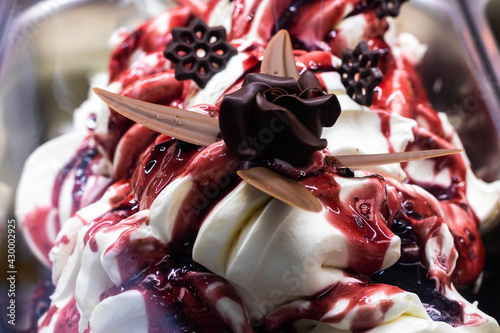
pixel 275 255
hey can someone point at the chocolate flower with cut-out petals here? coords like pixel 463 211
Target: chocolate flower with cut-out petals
pixel 359 72
pixel 381 8
pixel 387 7
pixel 198 51
pixel 273 117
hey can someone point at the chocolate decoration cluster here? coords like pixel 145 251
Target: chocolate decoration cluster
pixel 359 72
pixel 273 117
pixel 198 51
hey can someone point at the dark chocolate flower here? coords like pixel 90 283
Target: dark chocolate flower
pixel 277 117
pixel 359 72
pixel 381 8
pixel 387 7
pixel 198 51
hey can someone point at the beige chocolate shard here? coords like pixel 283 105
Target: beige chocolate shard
pixel 278 57
pixel 281 188
pixel 185 125
pixel 356 161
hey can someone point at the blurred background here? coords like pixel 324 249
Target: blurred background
pixel 49 50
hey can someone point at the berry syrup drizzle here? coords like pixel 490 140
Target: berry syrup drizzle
pixel 179 294
pixel 153 175
pixel 365 219
pixel 212 169
pixel 359 217
pixel 317 307
pixel 44 222
pixel 39 234
pixel 175 288
pixel 414 218
pixel 81 166
pixel 458 215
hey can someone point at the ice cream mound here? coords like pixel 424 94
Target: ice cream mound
pixel 147 233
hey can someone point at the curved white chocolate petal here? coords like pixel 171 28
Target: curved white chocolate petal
pixel 278 57
pixel 284 189
pixel 185 125
pixel 354 161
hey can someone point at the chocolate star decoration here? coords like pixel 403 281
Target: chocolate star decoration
pixel 387 7
pixel 359 72
pixel 198 51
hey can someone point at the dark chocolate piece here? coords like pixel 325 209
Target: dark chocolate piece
pixel 382 8
pixel 359 72
pixel 198 51
pixel 277 117
pixel 387 7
